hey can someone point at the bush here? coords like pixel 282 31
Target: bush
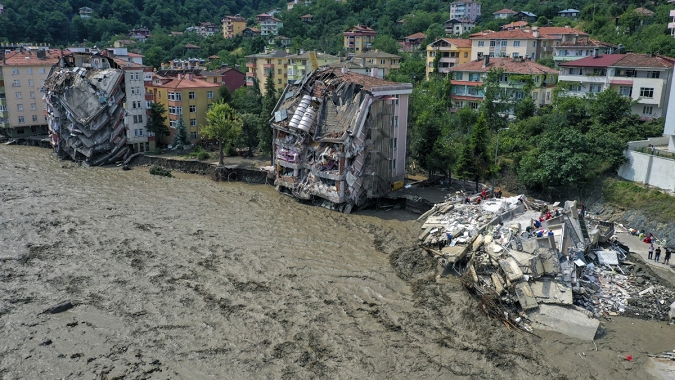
pixel 160 171
pixel 199 153
pixel 157 151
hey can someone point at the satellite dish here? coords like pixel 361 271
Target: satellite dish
pixel 170 147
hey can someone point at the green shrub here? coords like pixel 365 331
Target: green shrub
pixel 199 153
pixel 160 171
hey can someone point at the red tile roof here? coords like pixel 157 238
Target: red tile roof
pixel 644 12
pixel 183 82
pixel 306 16
pixel 646 61
pixel 191 46
pixel 366 81
pixel 508 64
pixel 505 10
pixel 516 34
pixel 585 42
pixel 416 36
pixel 556 31
pixel 600 61
pixel 29 58
pixel 124 64
pixel 459 42
pixel 513 25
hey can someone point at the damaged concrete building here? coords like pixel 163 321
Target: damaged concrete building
pixel 340 138
pixel 85 95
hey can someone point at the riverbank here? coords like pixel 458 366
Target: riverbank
pixel 186 278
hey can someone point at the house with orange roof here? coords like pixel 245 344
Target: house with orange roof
pixel 452 52
pixel 504 13
pixel 306 18
pixel 233 25
pixel 358 38
pixel 534 43
pixel 514 25
pixel 468 78
pixel 184 95
pixel 413 41
pixel 23 72
pixel 576 47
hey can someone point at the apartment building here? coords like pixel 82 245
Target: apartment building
pixel 22 75
pixel 577 47
pixel 534 43
pixel 305 62
pixel 453 52
pixel 270 26
pixel 456 27
pixel 184 96
pixel 233 25
pixel 378 59
pixel 645 78
pixel 468 78
pixel 274 63
pixel 358 38
pixel 504 13
pixel 465 10
pixel 413 41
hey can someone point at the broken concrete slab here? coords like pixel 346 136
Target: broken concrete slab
pixel 526 296
pixel 607 257
pixel 565 321
pixel 511 269
pixel 455 253
pixel 548 291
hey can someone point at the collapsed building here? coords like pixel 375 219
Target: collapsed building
pixel 534 265
pixel 85 98
pixel 340 138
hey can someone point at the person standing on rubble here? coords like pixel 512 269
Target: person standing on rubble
pixel 657 255
pixel 651 251
pixel 666 258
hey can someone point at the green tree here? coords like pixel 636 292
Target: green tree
pixel 251 125
pixel 479 148
pixel 386 44
pixel 222 125
pixel 181 138
pixel 466 166
pixel 157 122
pixel 225 94
pixel 269 101
pixel 525 108
pixel 492 106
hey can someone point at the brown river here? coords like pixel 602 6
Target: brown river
pixel 186 278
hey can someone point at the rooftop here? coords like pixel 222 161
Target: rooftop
pixel 28 57
pixel 514 25
pixel 415 36
pixel 505 10
pixel 585 42
pixel 376 54
pixel 624 60
pixel 510 65
pixel 182 81
pixel 569 10
pixel 459 42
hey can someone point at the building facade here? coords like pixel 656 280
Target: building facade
pixel 260 66
pixel 504 13
pixel 184 96
pixel 465 10
pixel 457 27
pixel 305 62
pixel 340 148
pixel 452 51
pixel 270 26
pixel 534 43
pixel 378 59
pixel 233 25
pixel 468 78
pixel 413 41
pixel 358 38
pixel 645 78
pixel 577 47
pixel 22 75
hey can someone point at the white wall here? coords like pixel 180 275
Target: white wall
pixel 648 169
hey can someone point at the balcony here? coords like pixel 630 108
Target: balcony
pixel 251 65
pixel 250 74
pixel 583 78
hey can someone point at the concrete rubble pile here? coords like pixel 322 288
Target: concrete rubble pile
pixel 529 274
pixel 85 108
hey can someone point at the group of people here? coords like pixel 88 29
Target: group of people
pixel 655 254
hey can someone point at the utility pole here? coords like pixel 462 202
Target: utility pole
pixel 496 153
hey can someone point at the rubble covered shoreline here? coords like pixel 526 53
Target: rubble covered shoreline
pixel 535 265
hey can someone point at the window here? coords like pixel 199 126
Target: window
pixel 279 81
pixel 653 74
pixel 35 118
pixel 193 135
pixel 466 55
pixel 505 77
pixel 458 76
pixel 31 95
pixel 135 132
pixel 16 83
pixel 22 120
pixel 193 122
pixel 481 43
pixel 516 43
pixel 140 132
pixel 536 79
pixel 3 108
pixel 516 54
pixel 15 71
pixel 18 95
pixel 193 108
pixel 393 165
pixel 176 96
pixel 646 92
pixel 208 107
pixel 33 107
pixel 594 88
pixel 19 107
pixel 473 105
pixel 520 95
pixel 173 123
pixel 626 91
pixel 209 94
pixel 648 110
pixel 472 91
pixel 30 83
pixel 432 54
pixel 534 43
pixel 395 143
pixel 43 70
pixel 138 118
pixel 174 110
pixel 278 61
pixel 474 77
pixel 493 43
pixel 503 43
pixel 535 95
pixel 191 95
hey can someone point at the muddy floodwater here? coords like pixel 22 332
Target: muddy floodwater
pixel 186 278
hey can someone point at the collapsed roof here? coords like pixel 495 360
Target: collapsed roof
pixel 85 108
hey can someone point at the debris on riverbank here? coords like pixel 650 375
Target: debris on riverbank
pixel 537 265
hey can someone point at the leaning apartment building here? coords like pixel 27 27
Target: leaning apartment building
pixel 340 138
